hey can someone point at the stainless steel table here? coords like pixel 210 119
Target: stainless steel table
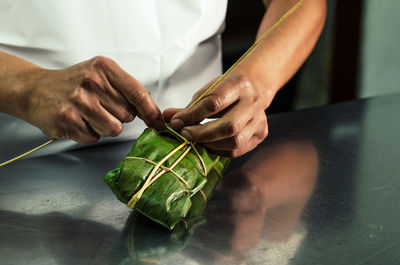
pixel 322 189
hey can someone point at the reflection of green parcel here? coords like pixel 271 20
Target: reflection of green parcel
pixel 145 242
pixel 162 173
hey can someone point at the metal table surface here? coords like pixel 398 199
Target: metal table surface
pixel 322 189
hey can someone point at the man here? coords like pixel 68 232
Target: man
pixel 166 47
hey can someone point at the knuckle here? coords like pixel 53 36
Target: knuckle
pixel 67 116
pixel 238 140
pixel 231 128
pixel 115 129
pixel 212 103
pixel 92 81
pixel 89 77
pixel 244 82
pixel 80 99
pixel 100 62
pixel 128 117
pixel 241 82
pixel 254 100
pixel 138 96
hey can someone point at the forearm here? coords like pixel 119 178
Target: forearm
pixel 275 60
pixel 13 84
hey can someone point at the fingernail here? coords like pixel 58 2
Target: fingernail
pixel 187 135
pixel 177 124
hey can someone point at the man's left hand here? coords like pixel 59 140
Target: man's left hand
pixel 239 108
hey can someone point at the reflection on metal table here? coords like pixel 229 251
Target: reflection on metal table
pixel 322 189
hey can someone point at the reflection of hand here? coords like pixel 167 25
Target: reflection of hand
pixel 248 211
pixel 260 204
pixel 87 100
pixel 238 105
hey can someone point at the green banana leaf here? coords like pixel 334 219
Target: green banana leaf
pixel 144 242
pixel 161 174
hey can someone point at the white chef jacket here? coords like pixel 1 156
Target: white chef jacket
pixel 170 46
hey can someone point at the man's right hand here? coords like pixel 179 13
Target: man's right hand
pixel 86 100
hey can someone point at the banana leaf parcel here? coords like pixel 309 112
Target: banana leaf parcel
pixel 144 242
pixel 162 173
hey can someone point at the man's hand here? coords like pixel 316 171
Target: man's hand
pixel 85 101
pixel 241 122
pixel 240 100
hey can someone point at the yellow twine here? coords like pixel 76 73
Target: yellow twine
pixel 172 166
pixel 192 145
pixel 185 223
pixel 135 198
pixel 162 167
pixel 27 153
pixel 203 196
pixel 153 176
pixel 283 18
pixel 131 246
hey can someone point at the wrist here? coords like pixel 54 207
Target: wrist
pixel 17 91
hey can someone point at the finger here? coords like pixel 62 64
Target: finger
pixel 111 99
pixel 135 93
pixel 263 130
pixel 168 113
pixel 122 113
pixel 87 135
pixel 247 139
pixel 223 95
pixel 117 105
pixel 71 125
pixel 229 125
pixel 255 140
pixel 82 133
pixel 236 141
pixel 102 122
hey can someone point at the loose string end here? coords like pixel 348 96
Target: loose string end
pixel 27 153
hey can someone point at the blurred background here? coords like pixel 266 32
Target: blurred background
pixel 356 56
